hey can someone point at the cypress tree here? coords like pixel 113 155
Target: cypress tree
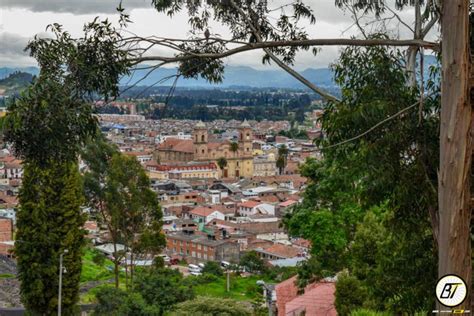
pixel 49 222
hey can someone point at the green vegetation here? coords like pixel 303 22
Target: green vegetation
pixel 210 307
pixel 6 275
pixel 91 271
pixel 369 202
pixel 119 189
pixel 213 268
pixel 252 262
pixel 241 288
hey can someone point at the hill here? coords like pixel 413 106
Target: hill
pixel 15 82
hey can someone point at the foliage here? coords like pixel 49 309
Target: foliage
pixel 211 306
pixel 222 163
pixel 47 194
pixel 241 288
pixel 350 294
pixel 234 147
pixel 252 262
pixel 369 203
pixel 242 18
pixel 91 271
pixel 117 302
pixel 282 158
pixel 213 268
pixel 45 123
pixel 163 288
pixel 98 258
pixel 118 188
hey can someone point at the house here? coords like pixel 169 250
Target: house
pixel 278 251
pixel 198 248
pixel 317 299
pixel 285 207
pixel 250 207
pixel 6 236
pixel 205 214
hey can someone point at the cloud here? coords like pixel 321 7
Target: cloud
pixel 12 50
pixel 76 7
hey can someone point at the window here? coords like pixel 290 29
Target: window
pixel 205 248
pixel 199 255
pixel 187 252
pixel 205 256
pixel 203 151
pixel 203 138
pixel 194 254
pixel 199 246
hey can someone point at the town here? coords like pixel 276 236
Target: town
pixel 221 189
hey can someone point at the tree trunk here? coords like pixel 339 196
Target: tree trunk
pixel 116 266
pixel 455 146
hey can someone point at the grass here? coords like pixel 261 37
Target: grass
pixel 241 288
pixel 6 275
pixel 94 272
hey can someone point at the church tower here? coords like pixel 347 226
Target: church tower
pixel 245 139
pixel 200 141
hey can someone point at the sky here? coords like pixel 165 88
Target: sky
pixel 21 20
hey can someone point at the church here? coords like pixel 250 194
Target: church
pixel 201 149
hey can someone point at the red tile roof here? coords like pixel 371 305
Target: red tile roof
pixel 173 144
pixel 282 251
pixel 287 203
pixel 203 211
pixel 317 300
pixel 249 204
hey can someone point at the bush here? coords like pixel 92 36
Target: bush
pixel 211 306
pixel 350 294
pixel 98 257
pixel 117 302
pixel 213 268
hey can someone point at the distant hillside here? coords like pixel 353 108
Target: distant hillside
pixel 6 71
pixel 234 76
pixel 15 82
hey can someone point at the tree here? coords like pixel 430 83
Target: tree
pixel 222 163
pixel 234 147
pixel 282 158
pixel 118 187
pixel 98 258
pixel 252 262
pixel 211 306
pixel 391 173
pixel 117 302
pixel 350 294
pixel 454 241
pixel 135 207
pixel 163 288
pixel 213 268
pixel 49 221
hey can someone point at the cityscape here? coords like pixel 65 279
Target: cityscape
pixel 236 157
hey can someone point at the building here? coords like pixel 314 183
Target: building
pixel 205 214
pixel 278 251
pixel 317 299
pixel 198 248
pixel 264 166
pixel 6 236
pixel 183 171
pixel 239 161
pixel 249 208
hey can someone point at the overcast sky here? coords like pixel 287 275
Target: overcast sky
pixel 20 20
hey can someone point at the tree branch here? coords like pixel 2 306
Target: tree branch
pixel 308 42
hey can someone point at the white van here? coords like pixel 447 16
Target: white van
pixel 201 265
pixel 225 264
pixel 194 268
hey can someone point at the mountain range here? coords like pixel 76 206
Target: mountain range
pixel 234 76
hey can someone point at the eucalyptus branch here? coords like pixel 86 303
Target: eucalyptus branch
pixel 294 43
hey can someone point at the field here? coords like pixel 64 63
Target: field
pixel 241 288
